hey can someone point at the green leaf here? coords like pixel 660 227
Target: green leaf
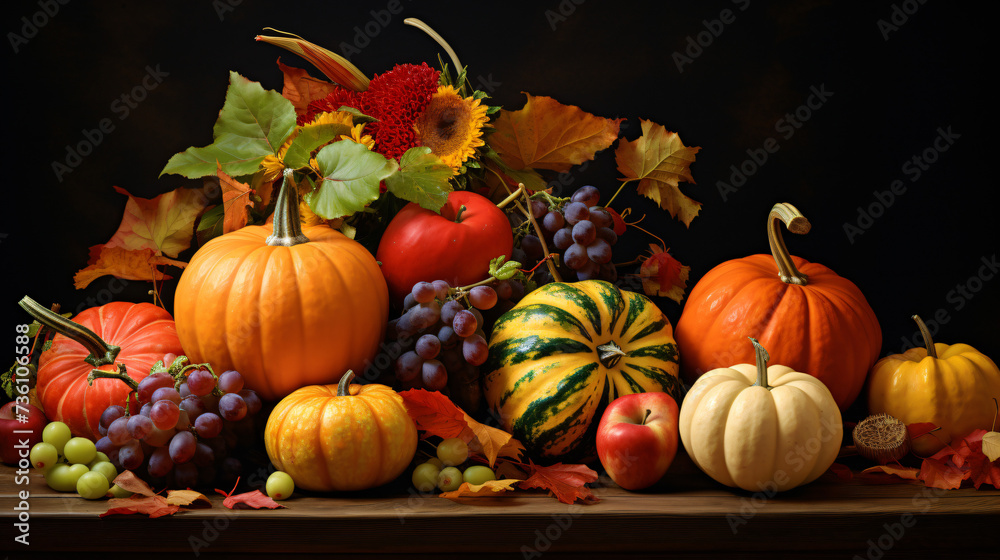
pixel 351 176
pixel 422 178
pixel 253 123
pixel 210 224
pixel 531 179
pixel 253 113
pixel 503 270
pixel 7 379
pixel 237 155
pixel 309 138
pixel 357 115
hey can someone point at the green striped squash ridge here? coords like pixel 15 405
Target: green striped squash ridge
pixel 544 377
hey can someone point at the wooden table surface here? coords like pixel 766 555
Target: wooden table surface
pixel 687 515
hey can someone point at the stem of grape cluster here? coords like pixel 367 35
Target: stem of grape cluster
pixel 512 197
pixel 608 203
pixel 541 237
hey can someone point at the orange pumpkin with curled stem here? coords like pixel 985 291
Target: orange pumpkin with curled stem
pixel 952 386
pixel 119 334
pixel 285 306
pixel 808 317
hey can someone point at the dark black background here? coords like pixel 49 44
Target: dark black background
pixel 891 90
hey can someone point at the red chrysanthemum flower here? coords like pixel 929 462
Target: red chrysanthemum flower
pixel 396 99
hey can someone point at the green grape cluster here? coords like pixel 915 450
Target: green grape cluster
pixel 72 463
pixel 442 472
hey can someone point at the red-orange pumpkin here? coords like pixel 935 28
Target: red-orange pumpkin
pixel 285 306
pixel 142 333
pixel 809 318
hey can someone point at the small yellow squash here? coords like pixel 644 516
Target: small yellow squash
pixel 952 387
pixel 341 437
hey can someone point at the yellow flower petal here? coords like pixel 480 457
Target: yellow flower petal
pixel 452 127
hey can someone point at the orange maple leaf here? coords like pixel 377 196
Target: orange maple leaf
pixel 940 474
pixel 153 506
pixel 128 481
pixel 546 134
pixel 189 498
pixel 491 442
pixel 235 200
pixel 902 473
pixel 122 263
pixel 488 488
pixel 164 224
pixel 301 89
pixel 434 413
pixel 663 275
pixel 660 161
pixel 566 482
pixel 250 500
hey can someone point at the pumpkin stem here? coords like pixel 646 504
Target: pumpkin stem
pixel 101 352
pixel 121 375
pixel 344 387
pixel 796 223
pixel 610 354
pixel 924 332
pixel 762 358
pixel 287 227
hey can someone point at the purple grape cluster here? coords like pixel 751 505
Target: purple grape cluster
pixel 440 333
pixel 186 428
pixel 580 230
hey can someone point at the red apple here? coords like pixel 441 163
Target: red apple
pixel 637 438
pixel 13 432
pixel 455 245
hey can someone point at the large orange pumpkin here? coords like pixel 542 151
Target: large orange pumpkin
pixel 808 317
pixel 135 335
pixel 285 306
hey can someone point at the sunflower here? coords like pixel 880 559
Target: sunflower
pixel 452 127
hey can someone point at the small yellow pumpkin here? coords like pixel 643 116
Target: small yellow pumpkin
pixel 341 437
pixel 761 428
pixel 952 387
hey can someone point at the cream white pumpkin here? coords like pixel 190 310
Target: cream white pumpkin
pixel 761 428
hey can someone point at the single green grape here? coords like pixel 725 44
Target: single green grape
pixel 57 434
pixel 43 455
pixel 92 485
pixel 449 479
pixel 107 469
pixel 63 477
pixel 279 485
pixel 478 474
pixel 436 462
pixel 425 476
pixel 119 492
pixel 452 451
pixel 79 450
pixel 98 458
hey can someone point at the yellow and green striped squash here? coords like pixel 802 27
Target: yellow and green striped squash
pixel 564 352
